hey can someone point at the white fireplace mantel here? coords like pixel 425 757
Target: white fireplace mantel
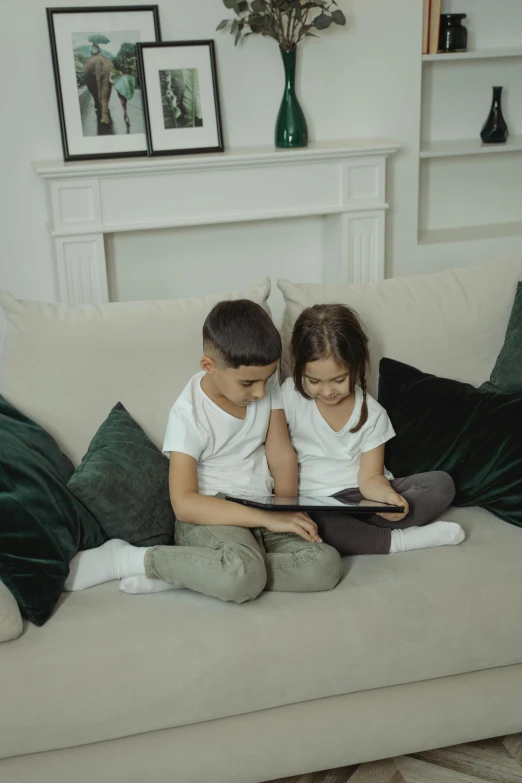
pixel 345 182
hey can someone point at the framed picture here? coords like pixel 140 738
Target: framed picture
pixel 182 98
pixel 98 85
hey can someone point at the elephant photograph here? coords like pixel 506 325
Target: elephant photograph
pixel 109 92
pixel 99 93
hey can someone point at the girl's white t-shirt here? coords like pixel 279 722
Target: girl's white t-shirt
pixel 329 461
pixel 230 452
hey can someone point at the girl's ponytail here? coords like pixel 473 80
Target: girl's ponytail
pixel 364 409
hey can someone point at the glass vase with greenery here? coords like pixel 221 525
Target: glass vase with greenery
pixel 288 22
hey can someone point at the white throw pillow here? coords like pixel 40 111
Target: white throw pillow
pixel 451 323
pixel 11 623
pixel 66 367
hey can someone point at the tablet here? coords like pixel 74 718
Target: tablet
pixel 318 505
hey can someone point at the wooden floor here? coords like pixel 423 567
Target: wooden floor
pixel 490 761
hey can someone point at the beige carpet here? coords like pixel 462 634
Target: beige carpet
pixel 491 761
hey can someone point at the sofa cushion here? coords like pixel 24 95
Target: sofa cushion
pixel 30 434
pixel 42 525
pixel 11 624
pixel 450 324
pixel 507 372
pixel 124 482
pixel 472 434
pixel 155 661
pixel 83 360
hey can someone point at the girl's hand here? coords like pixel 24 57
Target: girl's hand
pixel 292 522
pixel 394 499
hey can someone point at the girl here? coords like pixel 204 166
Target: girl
pixel 339 432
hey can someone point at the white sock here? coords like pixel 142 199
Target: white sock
pixel 142 584
pixel 113 560
pixel 437 534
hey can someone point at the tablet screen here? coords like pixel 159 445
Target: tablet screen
pixel 309 502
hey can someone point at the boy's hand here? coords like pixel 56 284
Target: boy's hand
pixel 292 522
pixel 394 499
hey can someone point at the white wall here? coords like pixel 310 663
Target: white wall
pixel 362 81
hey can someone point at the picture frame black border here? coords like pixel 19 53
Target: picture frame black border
pixel 154 9
pixel 213 64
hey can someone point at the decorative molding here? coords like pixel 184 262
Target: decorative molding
pixel 345 182
pixel 82 273
pixel 366 253
pixel 333 150
pixel 75 202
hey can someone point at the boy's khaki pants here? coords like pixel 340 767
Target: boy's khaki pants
pixel 238 563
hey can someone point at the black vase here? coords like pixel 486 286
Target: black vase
pixel 495 130
pixel 453 34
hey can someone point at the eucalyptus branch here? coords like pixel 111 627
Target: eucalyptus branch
pixel 287 21
pixel 301 33
pixel 290 20
pixel 276 4
pixel 297 17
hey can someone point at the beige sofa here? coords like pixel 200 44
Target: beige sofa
pixel 410 652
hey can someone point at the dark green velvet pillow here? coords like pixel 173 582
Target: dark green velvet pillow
pixel 473 434
pixel 507 372
pixel 124 482
pixel 33 436
pixel 42 525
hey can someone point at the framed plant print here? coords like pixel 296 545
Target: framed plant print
pixel 98 84
pixel 181 93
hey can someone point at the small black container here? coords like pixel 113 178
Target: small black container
pixel 495 130
pixel 453 34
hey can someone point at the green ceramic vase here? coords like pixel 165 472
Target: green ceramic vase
pixel 291 130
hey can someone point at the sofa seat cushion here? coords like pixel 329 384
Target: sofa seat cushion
pixel 110 665
pixel 83 360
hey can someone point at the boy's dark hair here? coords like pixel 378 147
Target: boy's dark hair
pixel 331 331
pixel 241 333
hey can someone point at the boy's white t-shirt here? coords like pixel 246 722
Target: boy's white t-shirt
pixel 230 452
pixel 329 461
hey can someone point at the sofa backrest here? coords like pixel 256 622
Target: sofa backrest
pixel 451 324
pixel 66 367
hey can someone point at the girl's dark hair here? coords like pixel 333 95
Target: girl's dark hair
pixel 241 333
pixel 332 331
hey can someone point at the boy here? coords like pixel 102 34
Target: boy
pixel 226 434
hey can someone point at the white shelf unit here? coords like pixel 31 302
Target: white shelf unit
pixel 462 180
pixel 471 233
pixel 459 147
pixel 477 54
